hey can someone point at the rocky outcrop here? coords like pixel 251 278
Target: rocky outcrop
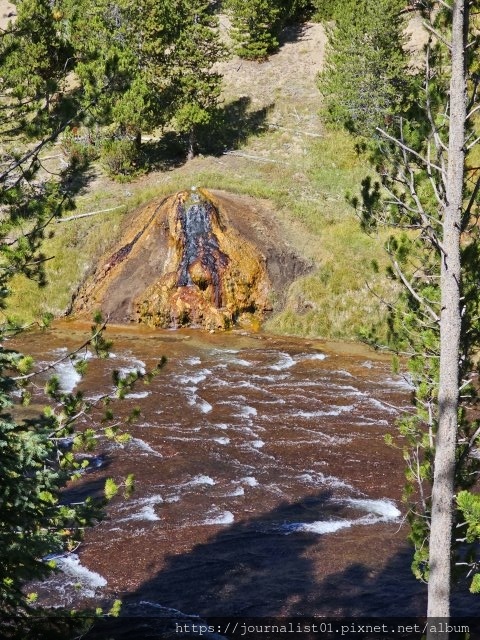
pixel 195 258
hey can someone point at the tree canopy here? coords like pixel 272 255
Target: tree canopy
pixel 39 455
pixel 412 116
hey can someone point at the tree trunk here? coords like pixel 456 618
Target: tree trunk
pixel 191 145
pixel 450 327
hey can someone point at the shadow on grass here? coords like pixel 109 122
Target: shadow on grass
pixel 292 33
pixel 231 126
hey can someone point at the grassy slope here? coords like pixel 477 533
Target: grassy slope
pixel 280 152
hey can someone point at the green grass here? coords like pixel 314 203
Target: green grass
pixel 74 249
pixel 307 190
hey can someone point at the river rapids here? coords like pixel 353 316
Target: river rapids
pixel 263 483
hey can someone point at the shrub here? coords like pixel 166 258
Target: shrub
pixel 120 157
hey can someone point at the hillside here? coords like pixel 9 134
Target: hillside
pixel 273 147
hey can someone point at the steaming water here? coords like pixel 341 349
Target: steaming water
pixel 248 451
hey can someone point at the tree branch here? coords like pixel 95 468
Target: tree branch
pixel 52 365
pixel 91 213
pixel 412 291
pixel 408 149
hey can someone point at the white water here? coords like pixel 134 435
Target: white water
pixel 77 574
pixel 286 361
pixel 67 374
pixel 377 511
pixel 201 480
pixel 144 446
pixel 226 517
pixel 242 433
pixel 250 481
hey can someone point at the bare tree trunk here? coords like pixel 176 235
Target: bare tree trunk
pixel 450 327
pixel 191 145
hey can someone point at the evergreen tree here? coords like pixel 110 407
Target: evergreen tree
pixel 428 192
pixel 326 9
pixel 35 57
pixel 366 74
pixel 195 85
pixel 256 24
pixel 111 79
pixel 255 27
pixel 119 60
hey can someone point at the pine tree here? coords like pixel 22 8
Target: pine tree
pixel 39 455
pixel 427 191
pixel 35 57
pixel 255 27
pixel 366 74
pixel 196 87
pixel 326 9
pixel 257 24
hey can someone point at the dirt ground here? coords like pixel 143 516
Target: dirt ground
pixel 7 13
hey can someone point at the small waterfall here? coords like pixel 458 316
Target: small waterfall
pixel 202 260
pixel 194 258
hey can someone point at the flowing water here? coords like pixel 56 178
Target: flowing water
pixel 200 245
pixel 263 484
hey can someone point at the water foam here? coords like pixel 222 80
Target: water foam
pixel 226 517
pixel 314 356
pixel 193 378
pixel 402 382
pixel 146 513
pixel 68 376
pixel 249 481
pixel 144 446
pixel 286 362
pixel 386 509
pixel 201 480
pixel 204 406
pixel 245 384
pixel 194 400
pixel 222 440
pixel 342 372
pixel 90 581
pixel 320 527
pixel 138 395
pixel 239 491
pixel 133 365
pixel 382 406
pixel 352 391
pixel 318 478
pixel 377 511
pixel 241 362
pixel 271 378
pixel 247 411
pixel 334 411
pixel 222 352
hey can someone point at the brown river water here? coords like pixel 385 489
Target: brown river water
pixel 263 484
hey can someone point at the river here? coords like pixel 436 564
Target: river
pixel 263 483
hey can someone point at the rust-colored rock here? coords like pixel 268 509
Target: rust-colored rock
pixel 183 261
